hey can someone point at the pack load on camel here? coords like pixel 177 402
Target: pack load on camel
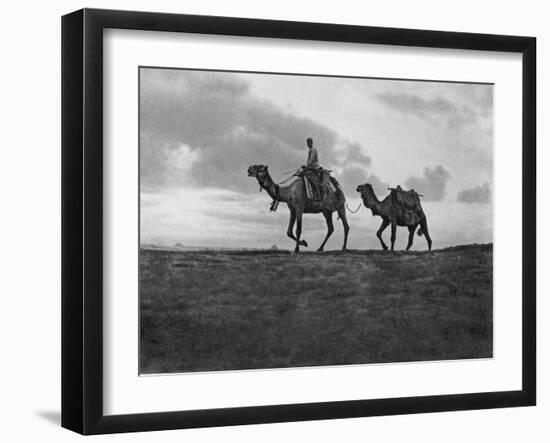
pixel 407 204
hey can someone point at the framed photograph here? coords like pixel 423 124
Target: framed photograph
pixel 269 221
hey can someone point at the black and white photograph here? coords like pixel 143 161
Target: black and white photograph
pixel 273 222
pixel 291 221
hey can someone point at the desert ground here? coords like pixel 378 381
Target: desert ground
pixel 208 310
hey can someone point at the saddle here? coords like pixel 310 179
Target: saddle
pixel 407 204
pixel 318 183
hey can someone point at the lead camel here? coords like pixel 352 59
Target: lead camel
pixel 294 195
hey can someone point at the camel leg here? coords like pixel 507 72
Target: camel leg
pixel 342 215
pixel 299 230
pixel 330 229
pixel 383 226
pixel 393 231
pixel 411 236
pixel 424 227
pixel 291 224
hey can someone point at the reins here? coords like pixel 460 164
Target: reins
pixel 286 180
pixel 290 172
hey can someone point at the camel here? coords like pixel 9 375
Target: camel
pixel 294 195
pixel 397 210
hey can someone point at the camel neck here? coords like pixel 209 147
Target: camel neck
pixel 372 202
pixel 269 185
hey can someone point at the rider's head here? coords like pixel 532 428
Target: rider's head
pixel 309 142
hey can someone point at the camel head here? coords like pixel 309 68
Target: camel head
pixel 364 188
pixel 258 171
pixel 367 194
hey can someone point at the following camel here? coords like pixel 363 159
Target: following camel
pixel 294 195
pixel 399 208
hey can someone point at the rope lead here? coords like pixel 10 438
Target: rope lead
pixel 353 212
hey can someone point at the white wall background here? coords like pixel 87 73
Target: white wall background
pixel 30 221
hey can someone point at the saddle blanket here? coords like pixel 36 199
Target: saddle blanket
pixel 312 193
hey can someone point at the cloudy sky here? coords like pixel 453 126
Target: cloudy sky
pixel 199 132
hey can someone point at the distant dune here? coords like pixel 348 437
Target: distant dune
pixel 207 310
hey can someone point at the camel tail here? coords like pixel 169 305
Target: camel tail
pixel 419 232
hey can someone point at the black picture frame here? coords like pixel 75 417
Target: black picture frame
pixel 82 220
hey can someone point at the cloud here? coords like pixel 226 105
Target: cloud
pixel 199 132
pixel 408 102
pixel 204 129
pixel 456 115
pixel 480 96
pixel 356 155
pixel 477 194
pixel 432 184
pixel 352 176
